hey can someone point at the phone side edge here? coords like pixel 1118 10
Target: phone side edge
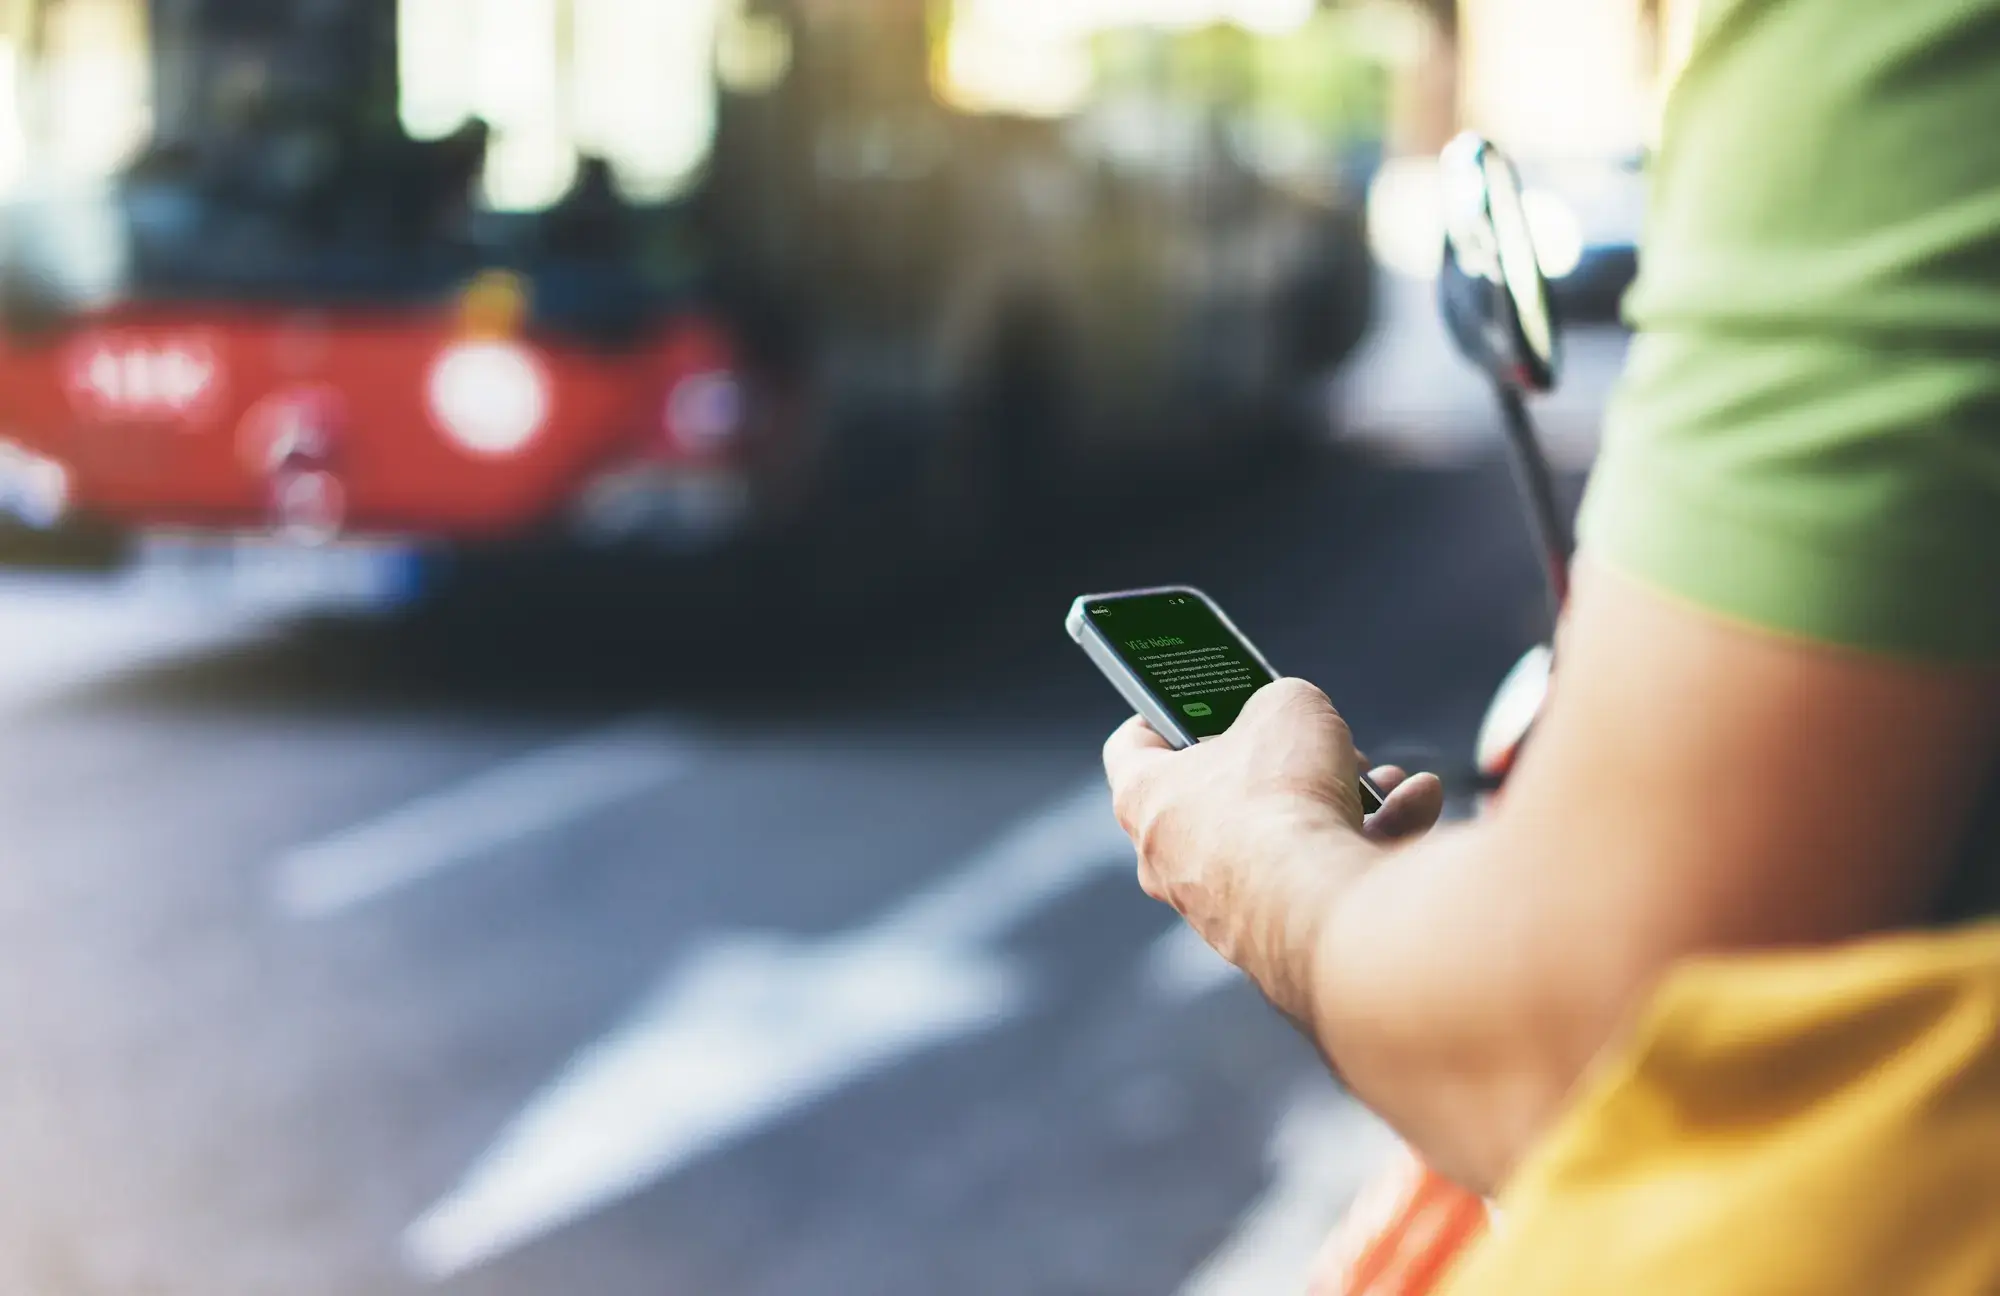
pixel 1077 618
pixel 1132 688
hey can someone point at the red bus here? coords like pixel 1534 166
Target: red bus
pixel 654 275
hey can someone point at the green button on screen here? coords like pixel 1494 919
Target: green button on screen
pixel 1199 709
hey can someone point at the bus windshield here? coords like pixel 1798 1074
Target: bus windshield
pixel 368 149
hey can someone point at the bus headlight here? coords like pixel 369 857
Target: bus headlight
pixel 489 398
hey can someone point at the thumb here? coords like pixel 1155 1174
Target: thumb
pixel 1412 809
pixel 1284 696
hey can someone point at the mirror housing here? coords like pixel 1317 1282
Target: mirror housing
pixel 1495 300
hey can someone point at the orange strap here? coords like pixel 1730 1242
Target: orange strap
pixel 1401 1235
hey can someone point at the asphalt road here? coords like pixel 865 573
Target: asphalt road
pixel 526 955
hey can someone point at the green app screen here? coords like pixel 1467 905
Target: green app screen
pixel 1189 659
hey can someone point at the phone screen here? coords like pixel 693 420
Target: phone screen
pixel 1187 657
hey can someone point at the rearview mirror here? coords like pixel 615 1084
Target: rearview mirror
pixel 1495 301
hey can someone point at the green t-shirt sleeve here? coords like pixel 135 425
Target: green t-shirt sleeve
pixel 1807 435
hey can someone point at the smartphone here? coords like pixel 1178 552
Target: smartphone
pixel 1179 660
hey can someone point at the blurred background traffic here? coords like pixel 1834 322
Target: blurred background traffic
pixel 537 751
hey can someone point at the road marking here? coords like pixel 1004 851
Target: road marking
pixel 752 1026
pixel 1323 1153
pixel 435 832
pixel 66 632
pixel 1181 967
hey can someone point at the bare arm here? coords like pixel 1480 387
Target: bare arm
pixel 1693 786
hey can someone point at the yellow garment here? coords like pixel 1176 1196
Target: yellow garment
pixel 1824 1122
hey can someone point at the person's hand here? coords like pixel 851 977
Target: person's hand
pixel 1235 833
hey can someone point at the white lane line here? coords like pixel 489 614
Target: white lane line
pixel 1181 967
pixel 752 1026
pixel 1323 1153
pixel 1037 860
pixel 435 832
pixel 59 633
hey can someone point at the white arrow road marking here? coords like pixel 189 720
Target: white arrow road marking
pixel 501 805
pixel 1323 1153
pixel 751 1027
pixel 748 1029
pixel 1181 966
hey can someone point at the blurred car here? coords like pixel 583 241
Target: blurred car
pixel 1586 217
pixel 400 278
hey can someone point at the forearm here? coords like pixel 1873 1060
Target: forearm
pixel 1441 998
pixel 1451 1003
pixel 1462 984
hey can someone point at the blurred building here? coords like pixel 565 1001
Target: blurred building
pixel 1569 78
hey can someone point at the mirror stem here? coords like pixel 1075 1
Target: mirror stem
pixel 1537 483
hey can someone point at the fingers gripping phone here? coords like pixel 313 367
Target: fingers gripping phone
pixel 1180 662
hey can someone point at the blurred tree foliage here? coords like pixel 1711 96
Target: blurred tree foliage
pixel 1313 91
